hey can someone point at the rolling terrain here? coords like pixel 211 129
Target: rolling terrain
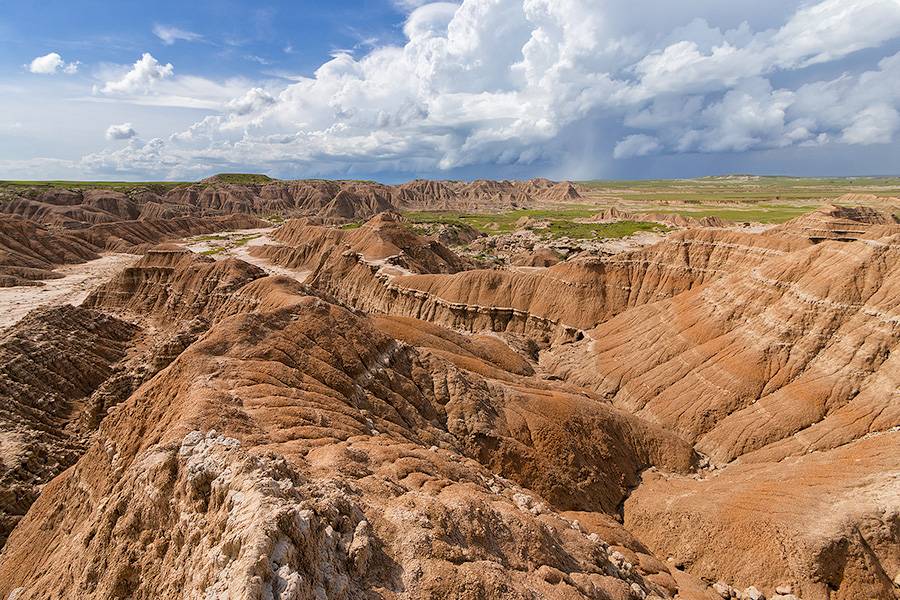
pixel 332 405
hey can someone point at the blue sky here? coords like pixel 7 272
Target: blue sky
pixel 393 90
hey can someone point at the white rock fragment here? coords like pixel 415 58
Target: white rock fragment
pixel 751 593
pixel 360 547
pixel 638 592
pixel 625 568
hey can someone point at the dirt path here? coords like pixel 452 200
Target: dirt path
pixel 237 244
pixel 76 283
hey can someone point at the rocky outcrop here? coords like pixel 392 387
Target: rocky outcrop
pixel 382 241
pixel 613 215
pixel 259 195
pixel 345 463
pixel 825 522
pixel 29 251
pixel 137 236
pixel 383 267
pixel 791 357
pixel 832 222
pixel 170 285
pixel 779 371
pixel 50 363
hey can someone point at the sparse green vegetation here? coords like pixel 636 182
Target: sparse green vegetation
pixel 31 189
pixel 496 223
pixel 586 231
pixel 243 240
pixel 241 178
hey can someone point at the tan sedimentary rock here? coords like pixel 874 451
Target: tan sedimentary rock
pixel 793 356
pixel 170 285
pixel 827 522
pixel 382 455
pixel 833 222
pixel 361 469
pixel 383 267
pixel 614 214
pixel 216 196
pixel 50 363
pixel 29 251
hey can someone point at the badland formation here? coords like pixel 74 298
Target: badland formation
pixel 346 404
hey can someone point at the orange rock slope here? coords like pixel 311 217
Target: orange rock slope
pixel 344 462
pixel 395 421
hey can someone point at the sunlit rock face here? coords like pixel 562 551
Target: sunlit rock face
pixel 711 415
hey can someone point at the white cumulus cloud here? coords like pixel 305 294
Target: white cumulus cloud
pixel 520 82
pixel 120 132
pixel 52 63
pixel 254 100
pixel 144 74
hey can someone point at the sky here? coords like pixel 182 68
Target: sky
pixel 394 90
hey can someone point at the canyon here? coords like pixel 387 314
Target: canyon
pixel 248 388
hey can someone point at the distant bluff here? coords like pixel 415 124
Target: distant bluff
pixel 82 205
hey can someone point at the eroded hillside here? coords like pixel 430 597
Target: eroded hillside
pixel 364 412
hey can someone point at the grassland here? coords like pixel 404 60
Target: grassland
pixel 745 189
pixel 736 198
pixel 504 222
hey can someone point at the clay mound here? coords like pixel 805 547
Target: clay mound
pixel 542 256
pixel 28 252
pixel 484 355
pixel 157 210
pixel 50 362
pixel 424 195
pixel 169 285
pixel 116 204
pixel 75 210
pixel 382 240
pixel 614 214
pixel 825 522
pixel 831 222
pixel 60 216
pixel 350 450
pixel 456 234
pixel 715 222
pixel 561 192
pixel 579 293
pixel 137 236
pixel 788 358
pixel 846 198
pixel 348 205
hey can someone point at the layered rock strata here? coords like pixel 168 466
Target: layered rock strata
pixel 345 463
pixel 50 364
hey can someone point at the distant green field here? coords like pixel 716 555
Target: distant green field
pixel 586 231
pixel 495 223
pixel 744 188
pixel 560 222
pixel 244 178
pixel 126 187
